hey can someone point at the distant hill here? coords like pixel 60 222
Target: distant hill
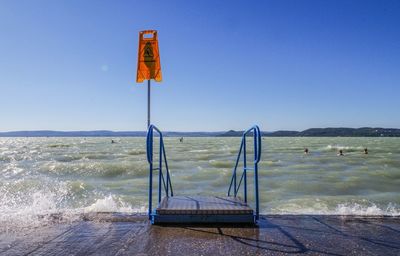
pixel 313 132
pixel 231 133
pixel 351 132
pixel 327 132
pixel 102 133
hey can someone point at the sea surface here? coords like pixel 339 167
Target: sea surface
pixel 65 177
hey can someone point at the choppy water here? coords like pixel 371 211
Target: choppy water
pixel 69 176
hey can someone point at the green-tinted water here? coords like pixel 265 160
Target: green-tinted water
pixel 73 175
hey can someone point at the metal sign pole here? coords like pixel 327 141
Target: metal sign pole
pixel 148 64
pixel 148 103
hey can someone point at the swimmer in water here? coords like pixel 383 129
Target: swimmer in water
pixel 340 153
pixel 366 151
pixel 306 151
pixel 181 139
pixel 112 141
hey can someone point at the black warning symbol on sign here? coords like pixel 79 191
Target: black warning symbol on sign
pixel 148 53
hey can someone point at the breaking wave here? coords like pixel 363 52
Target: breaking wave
pixel 348 208
pixel 26 209
pixel 346 148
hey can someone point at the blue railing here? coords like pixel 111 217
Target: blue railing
pixel 162 158
pixel 257 155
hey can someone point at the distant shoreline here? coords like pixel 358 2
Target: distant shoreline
pixel 313 132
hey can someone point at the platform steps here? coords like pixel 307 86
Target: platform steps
pixel 203 209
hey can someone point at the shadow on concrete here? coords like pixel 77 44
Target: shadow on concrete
pixel 379 242
pixel 115 234
pixel 294 247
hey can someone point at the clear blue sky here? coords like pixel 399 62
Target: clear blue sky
pixel 71 65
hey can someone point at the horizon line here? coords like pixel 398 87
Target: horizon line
pixel 120 131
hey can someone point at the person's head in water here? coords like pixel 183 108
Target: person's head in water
pixel 341 152
pixel 366 151
pixel 306 151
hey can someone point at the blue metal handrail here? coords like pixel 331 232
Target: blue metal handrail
pixel 257 155
pixel 162 156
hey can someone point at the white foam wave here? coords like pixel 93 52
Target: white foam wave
pixel 372 209
pixel 33 208
pixel 340 147
pixel 21 210
pixel 322 208
pixel 198 150
pixel 112 204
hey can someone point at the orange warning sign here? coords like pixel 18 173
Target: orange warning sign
pixel 149 66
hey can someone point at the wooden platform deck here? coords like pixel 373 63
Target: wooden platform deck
pixel 204 209
pixel 203 205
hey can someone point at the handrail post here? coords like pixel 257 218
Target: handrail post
pixel 150 190
pixel 234 182
pixel 160 170
pixel 256 154
pixel 245 168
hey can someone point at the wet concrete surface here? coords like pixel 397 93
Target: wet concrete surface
pixel 111 234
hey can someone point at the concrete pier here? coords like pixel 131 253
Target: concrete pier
pixel 116 234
